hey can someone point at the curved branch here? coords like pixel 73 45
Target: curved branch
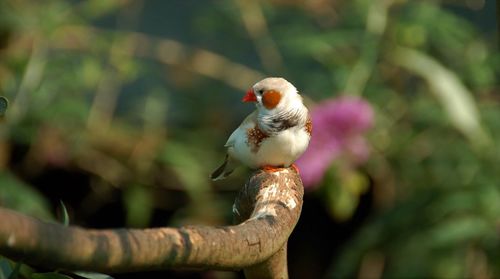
pixel 271 201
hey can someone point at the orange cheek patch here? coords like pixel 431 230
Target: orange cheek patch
pixel 271 99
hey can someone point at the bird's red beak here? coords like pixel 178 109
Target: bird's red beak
pixel 249 96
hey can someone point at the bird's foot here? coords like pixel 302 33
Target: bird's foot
pixel 276 169
pixel 271 169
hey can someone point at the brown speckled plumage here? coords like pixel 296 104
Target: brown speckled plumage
pixel 309 125
pixel 255 137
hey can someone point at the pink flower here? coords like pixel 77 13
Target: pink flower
pixel 338 128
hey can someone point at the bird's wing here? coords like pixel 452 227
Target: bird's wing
pixel 249 122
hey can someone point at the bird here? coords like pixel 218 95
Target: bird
pixel 274 135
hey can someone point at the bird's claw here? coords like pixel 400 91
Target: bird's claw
pixel 271 169
pixel 276 169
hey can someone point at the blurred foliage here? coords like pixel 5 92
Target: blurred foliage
pixel 120 110
pixel 17 195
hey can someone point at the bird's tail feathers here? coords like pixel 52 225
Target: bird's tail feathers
pixel 224 170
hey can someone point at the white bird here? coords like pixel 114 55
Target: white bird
pixel 274 135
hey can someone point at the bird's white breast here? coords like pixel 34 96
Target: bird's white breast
pixel 280 149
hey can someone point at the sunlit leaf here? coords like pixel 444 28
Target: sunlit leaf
pixel 343 191
pixel 455 98
pixel 92 275
pixel 457 231
pixel 64 213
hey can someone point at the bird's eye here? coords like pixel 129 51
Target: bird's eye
pixel 260 91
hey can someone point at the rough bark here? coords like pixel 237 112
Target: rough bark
pixel 268 206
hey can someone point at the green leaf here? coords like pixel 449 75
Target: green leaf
pixel 356 182
pixel 50 275
pixel 4 104
pixel 344 189
pixel 15 273
pixel 455 98
pixel 138 202
pixel 64 212
pixel 182 157
pixel 454 232
pixel 95 8
pixel 92 275
pixel 16 195
pixel 5 269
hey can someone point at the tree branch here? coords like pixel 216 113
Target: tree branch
pixel 269 202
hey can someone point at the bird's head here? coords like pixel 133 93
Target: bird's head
pixel 273 94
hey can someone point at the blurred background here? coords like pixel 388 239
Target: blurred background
pixel 119 111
